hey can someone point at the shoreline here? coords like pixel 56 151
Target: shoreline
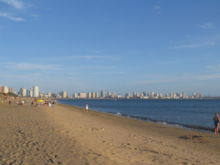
pixel 205 98
pixel 68 135
pixel 147 119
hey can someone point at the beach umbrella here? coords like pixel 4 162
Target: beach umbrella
pixel 40 101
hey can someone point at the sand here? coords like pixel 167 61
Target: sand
pixel 68 135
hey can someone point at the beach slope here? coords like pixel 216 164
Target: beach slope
pixel 69 135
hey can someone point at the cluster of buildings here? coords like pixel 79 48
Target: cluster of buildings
pixel 32 92
pixel 155 95
pixel 133 95
pixel 35 92
pixel 23 92
pixel 94 95
pixel 5 90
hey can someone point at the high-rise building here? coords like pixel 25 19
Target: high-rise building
pixel 89 95
pixel 23 92
pixel 64 94
pixel 36 91
pixel 97 95
pixel 93 95
pixel 49 94
pixel 30 92
pixel 82 95
pixel 75 95
pixel 5 89
pixel 102 94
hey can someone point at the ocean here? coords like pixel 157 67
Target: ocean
pixel 197 114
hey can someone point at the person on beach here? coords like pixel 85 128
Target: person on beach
pixel 216 119
pixel 49 104
pixel 87 107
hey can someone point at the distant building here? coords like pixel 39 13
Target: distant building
pixel 49 94
pixel 89 95
pixel 97 95
pixel 82 95
pixel 5 89
pixel 30 92
pixel 64 95
pixel 75 95
pixel 42 94
pixel 36 91
pixel 23 92
pixel 94 95
pixel 1 89
pixel 102 94
pixel 54 95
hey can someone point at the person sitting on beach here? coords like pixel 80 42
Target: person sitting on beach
pixel 216 123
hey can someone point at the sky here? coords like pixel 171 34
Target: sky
pixel 115 45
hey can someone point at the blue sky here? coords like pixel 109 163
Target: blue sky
pixel 117 45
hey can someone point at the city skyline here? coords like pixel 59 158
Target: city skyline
pixel 117 45
pixel 35 93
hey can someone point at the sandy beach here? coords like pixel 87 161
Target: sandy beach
pixel 68 135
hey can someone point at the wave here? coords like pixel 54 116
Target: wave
pixel 118 114
pixel 196 127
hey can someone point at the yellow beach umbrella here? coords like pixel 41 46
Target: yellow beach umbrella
pixel 40 101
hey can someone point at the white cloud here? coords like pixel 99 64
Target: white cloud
pixel 88 57
pixel 104 72
pixel 18 4
pixel 208 76
pixel 199 45
pixel 187 46
pixel 11 17
pixel 175 79
pixel 35 15
pixel 157 8
pixel 91 57
pixel 214 68
pixel 160 80
pixel 31 66
pixel 207 26
pixel 94 51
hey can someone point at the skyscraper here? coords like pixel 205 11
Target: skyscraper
pixel 30 92
pixel 5 89
pixel 23 92
pixel 64 94
pixel 36 91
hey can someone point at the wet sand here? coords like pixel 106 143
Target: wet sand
pixel 69 135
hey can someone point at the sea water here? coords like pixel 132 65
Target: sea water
pixel 188 113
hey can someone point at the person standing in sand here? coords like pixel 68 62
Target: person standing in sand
pixel 87 107
pixel 216 119
pixel 49 104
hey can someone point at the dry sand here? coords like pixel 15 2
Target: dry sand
pixel 71 136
